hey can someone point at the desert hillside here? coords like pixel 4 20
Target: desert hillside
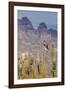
pixel 37 43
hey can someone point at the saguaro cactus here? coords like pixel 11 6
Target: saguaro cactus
pixel 54 61
pixel 25 66
pixel 42 66
pixel 19 65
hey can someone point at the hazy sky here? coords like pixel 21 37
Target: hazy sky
pixel 36 17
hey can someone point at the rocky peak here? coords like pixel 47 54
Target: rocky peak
pixel 25 23
pixel 42 26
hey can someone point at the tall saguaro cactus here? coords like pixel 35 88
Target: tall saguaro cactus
pixel 25 66
pixel 54 61
pixel 42 66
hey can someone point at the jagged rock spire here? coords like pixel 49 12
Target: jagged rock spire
pixel 42 26
pixel 25 23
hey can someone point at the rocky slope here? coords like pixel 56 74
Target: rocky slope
pixel 35 41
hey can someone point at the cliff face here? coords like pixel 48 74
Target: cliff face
pixel 25 24
pixel 35 41
pixel 31 39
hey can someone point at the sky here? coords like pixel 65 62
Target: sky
pixel 36 17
